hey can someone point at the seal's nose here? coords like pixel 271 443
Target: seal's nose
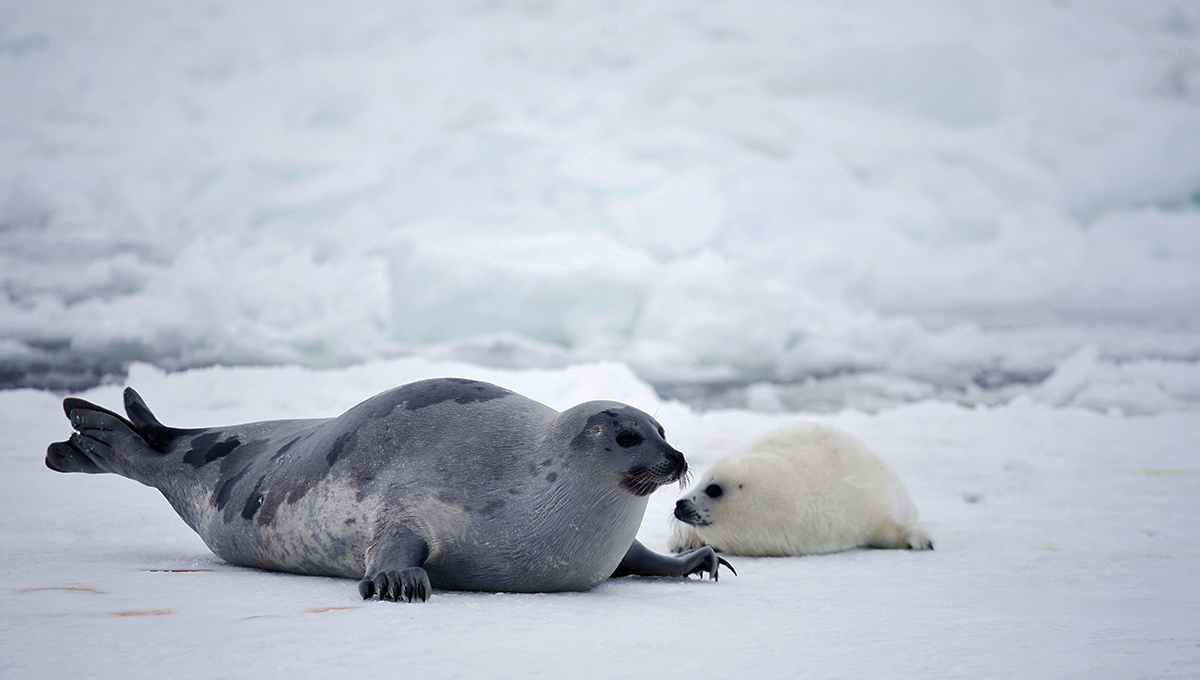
pixel 677 461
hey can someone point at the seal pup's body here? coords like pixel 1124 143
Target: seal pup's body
pixel 450 483
pixel 799 491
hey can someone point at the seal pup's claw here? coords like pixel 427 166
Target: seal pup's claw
pixel 402 585
pixel 916 539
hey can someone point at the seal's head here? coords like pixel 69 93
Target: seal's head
pixel 625 442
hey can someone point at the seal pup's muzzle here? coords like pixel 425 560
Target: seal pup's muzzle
pixel 686 512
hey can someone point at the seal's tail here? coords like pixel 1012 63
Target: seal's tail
pixel 107 442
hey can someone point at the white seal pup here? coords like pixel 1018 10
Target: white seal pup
pixel 799 491
pixel 446 483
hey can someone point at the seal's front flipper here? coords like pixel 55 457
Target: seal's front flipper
pixel 641 561
pixel 394 568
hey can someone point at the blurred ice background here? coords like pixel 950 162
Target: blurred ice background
pixel 773 205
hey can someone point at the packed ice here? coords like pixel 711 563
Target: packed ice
pixel 848 203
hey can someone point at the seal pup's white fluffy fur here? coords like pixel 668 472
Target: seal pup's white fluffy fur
pixel 799 490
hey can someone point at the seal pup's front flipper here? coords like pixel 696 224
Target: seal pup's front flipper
pixel 642 561
pixel 394 569
pixel 892 534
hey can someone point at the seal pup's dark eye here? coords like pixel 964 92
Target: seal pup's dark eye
pixel 628 439
pixel 713 491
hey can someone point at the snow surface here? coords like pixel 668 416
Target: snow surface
pixel 967 232
pixel 1067 547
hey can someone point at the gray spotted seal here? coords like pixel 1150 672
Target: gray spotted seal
pixel 799 490
pixel 446 483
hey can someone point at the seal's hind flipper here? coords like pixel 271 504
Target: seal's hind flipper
pixel 91 447
pixel 65 457
pixel 71 404
pixel 145 424
pixel 105 441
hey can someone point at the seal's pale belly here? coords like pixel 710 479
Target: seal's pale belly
pixel 546 557
pixel 302 538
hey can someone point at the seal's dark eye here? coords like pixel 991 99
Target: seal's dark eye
pixel 661 432
pixel 713 491
pixel 628 439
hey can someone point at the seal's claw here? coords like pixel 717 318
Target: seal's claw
pixel 402 585
pixel 705 561
pixel 721 560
